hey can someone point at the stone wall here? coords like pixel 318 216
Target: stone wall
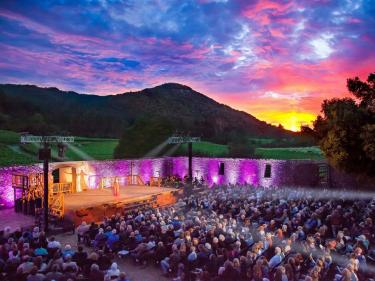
pixel 243 171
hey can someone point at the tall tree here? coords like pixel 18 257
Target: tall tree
pixel 146 134
pixel 346 128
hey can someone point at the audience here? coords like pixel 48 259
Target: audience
pixel 222 233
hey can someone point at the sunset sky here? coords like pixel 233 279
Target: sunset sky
pixel 277 60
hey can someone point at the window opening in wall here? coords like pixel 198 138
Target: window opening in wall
pixel 267 171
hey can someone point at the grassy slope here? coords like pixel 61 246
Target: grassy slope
pixel 219 150
pixel 101 149
pixel 206 148
pixel 83 149
pixel 9 137
pixel 312 153
pixel 7 155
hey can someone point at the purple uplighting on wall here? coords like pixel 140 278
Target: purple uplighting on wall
pixel 180 166
pixel 236 171
pixel 248 172
pixel 6 190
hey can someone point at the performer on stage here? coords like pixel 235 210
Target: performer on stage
pixel 116 189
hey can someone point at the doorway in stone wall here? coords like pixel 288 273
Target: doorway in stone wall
pixel 64 179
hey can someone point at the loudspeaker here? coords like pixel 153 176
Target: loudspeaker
pixel 221 169
pixel 61 150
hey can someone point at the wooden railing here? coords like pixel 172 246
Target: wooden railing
pixel 155 181
pixel 135 180
pixel 61 188
pixel 108 182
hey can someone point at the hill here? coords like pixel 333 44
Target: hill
pixel 50 110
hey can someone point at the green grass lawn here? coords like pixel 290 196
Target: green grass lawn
pixel 312 153
pixel 83 148
pixel 9 137
pixel 206 148
pixel 9 157
pixel 99 150
pixel 219 150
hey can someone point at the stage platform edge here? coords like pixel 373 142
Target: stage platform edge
pixel 95 205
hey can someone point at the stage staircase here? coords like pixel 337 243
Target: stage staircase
pixel 56 194
pixel 56 205
pixel 29 194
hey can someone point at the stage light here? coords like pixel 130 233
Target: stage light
pixel 215 179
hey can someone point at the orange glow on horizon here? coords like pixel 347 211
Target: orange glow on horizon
pixel 287 112
pixel 290 120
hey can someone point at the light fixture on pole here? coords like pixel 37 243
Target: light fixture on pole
pixel 189 140
pixel 45 156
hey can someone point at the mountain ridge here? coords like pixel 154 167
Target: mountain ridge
pixel 107 116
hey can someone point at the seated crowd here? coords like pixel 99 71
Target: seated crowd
pixel 223 233
pixel 30 256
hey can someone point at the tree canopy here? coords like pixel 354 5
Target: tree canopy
pixel 146 134
pixel 346 128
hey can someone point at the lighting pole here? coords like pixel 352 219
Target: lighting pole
pixel 189 141
pixel 190 152
pixel 45 155
pixel 131 171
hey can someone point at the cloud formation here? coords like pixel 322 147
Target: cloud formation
pixel 277 60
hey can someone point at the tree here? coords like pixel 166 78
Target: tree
pixel 368 137
pixel 145 134
pixel 346 128
pixel 365 92
pixel 241 147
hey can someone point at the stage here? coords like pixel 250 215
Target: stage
pixel 94 197
pixel 94 205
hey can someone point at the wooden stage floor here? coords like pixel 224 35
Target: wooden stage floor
pixel 94 205
pixel 95 197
